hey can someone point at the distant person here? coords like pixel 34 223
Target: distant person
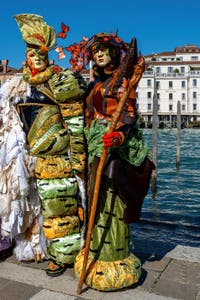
pixel 127 171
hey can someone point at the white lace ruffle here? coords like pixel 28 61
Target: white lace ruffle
pixel 19 200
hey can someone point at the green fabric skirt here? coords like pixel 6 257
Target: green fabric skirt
pixel 111 264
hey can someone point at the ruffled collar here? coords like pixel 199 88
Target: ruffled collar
pixel 35 78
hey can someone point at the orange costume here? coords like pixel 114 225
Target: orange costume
pixel 112 265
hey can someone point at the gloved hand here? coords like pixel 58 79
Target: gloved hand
pixel 113 139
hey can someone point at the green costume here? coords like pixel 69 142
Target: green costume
pixel 53 119
pixel 111 263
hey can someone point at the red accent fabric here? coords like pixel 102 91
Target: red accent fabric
pixel 113 139
pixel 34 72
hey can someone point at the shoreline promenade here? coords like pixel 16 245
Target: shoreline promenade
pixel 173 276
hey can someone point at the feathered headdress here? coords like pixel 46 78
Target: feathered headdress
pixel 35 32
pixel 103 38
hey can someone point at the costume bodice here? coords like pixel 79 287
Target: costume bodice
pixel 101 103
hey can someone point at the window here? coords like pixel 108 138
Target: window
pixel 149 106
pixel 182 69
pixel 158 96
pixel 183 84
pixel 183 107
pixel 148 95
pixel 180 58
pixel 194 106
pixel 170 107
pixel 148 82
pixel 170 96
pixel 194 82
pixel 170 84
pixel 183 96
pixel 194 58
pixel 137 94
pixel 194 94
pixel 170 69
pixel 157 69
pixel 157 84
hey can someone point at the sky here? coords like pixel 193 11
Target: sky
pixel 158 25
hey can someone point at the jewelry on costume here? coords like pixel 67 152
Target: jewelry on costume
pixel 115 142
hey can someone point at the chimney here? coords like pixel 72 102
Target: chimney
pixel 4 63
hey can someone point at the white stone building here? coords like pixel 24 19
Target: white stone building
pixel 171 77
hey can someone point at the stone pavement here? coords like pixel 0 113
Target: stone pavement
pixel 173 276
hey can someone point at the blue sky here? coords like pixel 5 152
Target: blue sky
pixel 158 25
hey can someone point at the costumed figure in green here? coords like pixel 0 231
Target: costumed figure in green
pixel 53 118
pixel 111 265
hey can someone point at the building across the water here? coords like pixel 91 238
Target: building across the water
pixel 172 77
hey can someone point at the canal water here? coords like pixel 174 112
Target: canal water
pixel 171 215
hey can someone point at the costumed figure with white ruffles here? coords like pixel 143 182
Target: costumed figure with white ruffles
pixel 47 104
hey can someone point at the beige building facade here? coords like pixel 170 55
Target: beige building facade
pixel 7 72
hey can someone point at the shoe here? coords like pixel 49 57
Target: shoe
pixel 54 269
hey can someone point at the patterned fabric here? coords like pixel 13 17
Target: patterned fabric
pixel 133 150
pixel 61 226
pixel 112 265
pixel 57 187
pixel 67 85
pixel 65 249
pixel 58 137
pixel 53 167
pixel 101 104
pixel 35 31
pixel 110 276
pixel 59 206
pixel 47 135
pixel 38 78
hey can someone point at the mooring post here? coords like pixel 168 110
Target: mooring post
pixel 178 135
pixel 154 137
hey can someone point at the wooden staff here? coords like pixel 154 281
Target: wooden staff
pixel 137 73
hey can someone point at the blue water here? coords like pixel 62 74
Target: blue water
pixel 171 215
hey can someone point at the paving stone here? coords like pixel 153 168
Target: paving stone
pixel 198 296
pixel 16 290
pixel 12 259
pixel 30 264
pixel 185 253
pixel 170 288
pixel 156 264
pixel 135 295
pixel 49 295
pixel 147 280
pixel 192 273
pixel 3 283
pixel 63 284
pixel 164 278
pixel 183 272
